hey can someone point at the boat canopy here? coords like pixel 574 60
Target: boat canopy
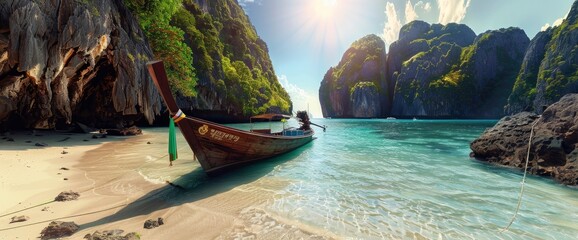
pixel 270 117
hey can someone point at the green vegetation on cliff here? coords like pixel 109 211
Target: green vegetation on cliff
pixel 216 43
pixel 561 75
pixel 167 41
pixel 362 67
pixel 365 50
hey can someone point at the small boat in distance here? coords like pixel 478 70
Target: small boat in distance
pixel 219 147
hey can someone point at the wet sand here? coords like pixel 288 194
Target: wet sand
pixel 114 194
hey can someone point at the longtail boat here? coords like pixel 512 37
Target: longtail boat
pixel 219 147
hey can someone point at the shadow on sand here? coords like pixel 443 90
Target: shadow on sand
pixel 194 186
pixel 24 140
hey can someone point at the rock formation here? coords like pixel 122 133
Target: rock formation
pixel 549 70
pixel 554 147
pixel 523 92
pixel 431 71
pixel 453 77
pixel 236 76
pixel 356 87
pixel 68 61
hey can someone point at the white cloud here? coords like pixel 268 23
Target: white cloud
pixel 452 10
pixel 545 27
pixel 392 24
pixel 421 5
pixel 301 99
pixel 556 23
pixel 427 7
pixel 410 13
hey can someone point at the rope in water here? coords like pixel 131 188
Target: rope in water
pixel 523 178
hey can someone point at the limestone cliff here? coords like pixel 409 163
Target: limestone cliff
pixel 356 87
pixel 453 77
pixel 550 67
pixel 236 76
pixel 67 61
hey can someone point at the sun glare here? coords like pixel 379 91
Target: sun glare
pixel 325 8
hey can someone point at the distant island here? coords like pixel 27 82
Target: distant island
pixel 446 71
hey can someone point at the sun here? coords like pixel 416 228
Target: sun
pixel 325 8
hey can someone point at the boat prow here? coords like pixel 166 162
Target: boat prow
pixel 219 147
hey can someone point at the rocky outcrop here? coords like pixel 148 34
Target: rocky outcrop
pixel 68 61
pixel 554 146
pixel 356 87
pixel 448 73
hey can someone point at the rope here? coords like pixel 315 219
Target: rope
pixel 523 178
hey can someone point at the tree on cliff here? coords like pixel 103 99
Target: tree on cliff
pixel 167 41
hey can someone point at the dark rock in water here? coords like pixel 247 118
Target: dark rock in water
pixel 67 196
pixel 131 131
pixel 58 229
pixel 111 235
pixel 9 139
pixel 149 224
pixel 94 136
pixel 16 219
pixel 41 144
pixel 554 148
pixel 161 221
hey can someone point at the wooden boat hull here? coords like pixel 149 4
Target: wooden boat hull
pixel 219 147
pixel 224 147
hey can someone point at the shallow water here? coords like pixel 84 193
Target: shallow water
pixel 374 179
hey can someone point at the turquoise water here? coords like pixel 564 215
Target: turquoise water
pixel 402 179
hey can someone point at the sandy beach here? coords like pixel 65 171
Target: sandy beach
pixel 114 194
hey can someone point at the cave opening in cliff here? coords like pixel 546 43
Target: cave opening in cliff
pixel 96 107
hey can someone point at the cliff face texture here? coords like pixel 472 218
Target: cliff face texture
pixel 425 53
pixel 447 71
pixel 553 152
pixel 68 61
pixel 431 71
pixel 457 75
pixel 236 76
pixel 550 67
pixel 356 87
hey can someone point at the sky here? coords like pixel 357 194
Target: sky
pixel 307 37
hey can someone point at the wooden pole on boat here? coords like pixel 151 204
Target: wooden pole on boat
pixel 319 126
pixel 159 76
